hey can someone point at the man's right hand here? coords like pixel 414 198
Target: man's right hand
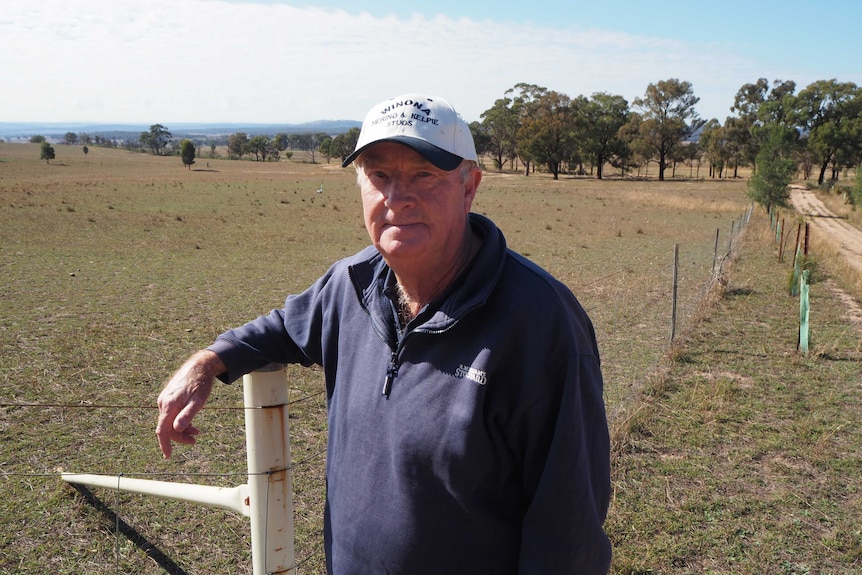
pixel 183 396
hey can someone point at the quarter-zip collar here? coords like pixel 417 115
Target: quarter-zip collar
pixel 373 281
pixel 470 289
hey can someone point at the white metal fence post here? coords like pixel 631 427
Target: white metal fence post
pixel 267 497
pixel 268 452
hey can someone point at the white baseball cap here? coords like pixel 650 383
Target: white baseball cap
pixel 428 124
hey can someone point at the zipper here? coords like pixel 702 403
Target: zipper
pixel 392 369
pixel 396 347
pixel 391 374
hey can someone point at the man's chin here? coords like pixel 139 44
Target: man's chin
pixel 400 249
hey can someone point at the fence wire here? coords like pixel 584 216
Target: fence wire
pixel 626 333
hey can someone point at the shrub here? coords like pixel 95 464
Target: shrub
pixel 855 193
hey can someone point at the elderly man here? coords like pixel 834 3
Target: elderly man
pixel 467 429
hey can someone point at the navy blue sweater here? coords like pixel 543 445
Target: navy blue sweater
pixel 489 451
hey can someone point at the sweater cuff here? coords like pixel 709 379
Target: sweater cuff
pixel 236 359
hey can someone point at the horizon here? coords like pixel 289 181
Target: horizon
pixel 21 132
pixel 88 62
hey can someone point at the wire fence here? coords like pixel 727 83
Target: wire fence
pixel 636 318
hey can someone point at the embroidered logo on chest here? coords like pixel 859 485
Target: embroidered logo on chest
pixel 477 375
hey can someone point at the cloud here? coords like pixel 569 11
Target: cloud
pixel 215 61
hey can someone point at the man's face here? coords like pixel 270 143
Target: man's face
pixel 415 213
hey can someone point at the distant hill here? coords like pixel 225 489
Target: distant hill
pixel 18 131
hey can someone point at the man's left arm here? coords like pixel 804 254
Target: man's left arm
pixel 567 477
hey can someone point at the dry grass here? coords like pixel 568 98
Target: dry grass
pixel 117 265
pixel 741 458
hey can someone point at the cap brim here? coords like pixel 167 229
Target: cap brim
pixel 437 156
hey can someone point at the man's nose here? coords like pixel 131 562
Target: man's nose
pixel 399 192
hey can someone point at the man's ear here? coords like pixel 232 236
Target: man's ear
pixel 471 185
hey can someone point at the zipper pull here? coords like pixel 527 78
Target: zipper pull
pixel 391 373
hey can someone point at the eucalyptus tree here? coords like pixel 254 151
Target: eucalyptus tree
pixel 779 106
pixel 667 119
pixel 314 141
pixel 749 98
pixel 713 142
pixel 746 104
pixel 343 145
pixel 602 117
pixel 500 124
pixel 281 141
pixel 325 148
pixel 739 142
pixel 830 112
pixel 641 152
pixel 547 134
pixel 524 103
pixel 690 154
pixel 157 139
pixel 481 138
pixel 263 147
pixel 297 141
pixel 727 146
pixel 237 145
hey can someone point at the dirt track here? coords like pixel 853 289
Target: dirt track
pixel 846 237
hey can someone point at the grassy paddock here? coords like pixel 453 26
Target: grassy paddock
pixel 743 456
pixel 117 265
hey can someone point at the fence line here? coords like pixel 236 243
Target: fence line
pixel 801 275
pixel 208 407
pixel 267 496
pixel 633 337
pixel 648 304
pixel 123 529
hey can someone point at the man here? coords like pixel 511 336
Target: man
pixel 467 430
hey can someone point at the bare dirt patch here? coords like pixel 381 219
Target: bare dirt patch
pixel 854 310
pixel 847 237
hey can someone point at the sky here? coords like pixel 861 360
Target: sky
pixel 295 61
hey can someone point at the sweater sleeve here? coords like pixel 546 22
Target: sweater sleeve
pixel 288 335
pixel 567 477
pixel 259 342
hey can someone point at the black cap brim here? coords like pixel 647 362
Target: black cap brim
pixel 441 158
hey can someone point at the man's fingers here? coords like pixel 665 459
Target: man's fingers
pixel 184 419
pixel 176 426
pixel 164 440
pixel 168 435
pixel 183 397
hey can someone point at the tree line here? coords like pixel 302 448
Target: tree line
pixel 546 129
pixel 816 129
pixel 264 148
pixel 159 140
pixel 820 128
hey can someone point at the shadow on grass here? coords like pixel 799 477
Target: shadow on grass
pixel 829 217
pixel 830 356
pixel 130 532
pixel 736 292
